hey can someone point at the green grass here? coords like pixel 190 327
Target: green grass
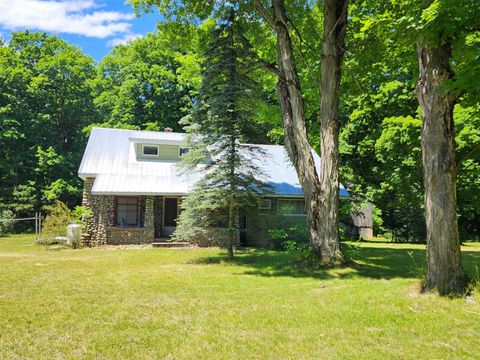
pixel 188 303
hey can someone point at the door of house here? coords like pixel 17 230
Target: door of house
pixel 170 214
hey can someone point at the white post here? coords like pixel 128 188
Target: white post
pixel 36 226
pixel 74 233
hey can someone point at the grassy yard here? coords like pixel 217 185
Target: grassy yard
pixel 187 303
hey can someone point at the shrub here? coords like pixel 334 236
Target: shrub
pixel 297 233
pixel 277 237
pixel 6 222
pixel 59 216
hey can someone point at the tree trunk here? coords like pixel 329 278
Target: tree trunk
pixel 321 195
pixel 292 107
pixel 334 27
pixel 445 272
pixel 231 223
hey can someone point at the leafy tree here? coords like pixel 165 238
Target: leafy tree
pixel 216 127
pixel 45 101
pixel 149 82
pixel 6 222
pixel 443 32
pixel 58 218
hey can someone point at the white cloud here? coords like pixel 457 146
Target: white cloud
pixel 124 39
pixel 80 17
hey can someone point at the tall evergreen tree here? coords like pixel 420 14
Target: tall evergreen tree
pixel 216 128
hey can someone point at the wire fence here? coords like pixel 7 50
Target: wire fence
pixel 38 223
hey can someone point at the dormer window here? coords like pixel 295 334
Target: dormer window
pixel 183 151
pixel 150 150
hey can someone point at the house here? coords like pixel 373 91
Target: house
pixel 134 187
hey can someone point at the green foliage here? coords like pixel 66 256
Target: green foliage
pixel 45 101
pixel 380 139
pixel 295 242
pixel 201 211
pixel 219 122
pixel 81 215
pixel 280 238
pixel 301 253
pixel 58 218
pixel 148 84
pixel 51 95
pixel 6 222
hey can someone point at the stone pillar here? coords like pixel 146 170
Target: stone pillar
pixel 149 219
pixel 148 222
pixel 103 216
pixel 87 201
pixel 158 215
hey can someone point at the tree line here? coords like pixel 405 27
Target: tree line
pixel 373 121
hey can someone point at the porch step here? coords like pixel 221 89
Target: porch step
pixel 169 244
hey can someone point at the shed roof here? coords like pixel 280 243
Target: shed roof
pixel 110 158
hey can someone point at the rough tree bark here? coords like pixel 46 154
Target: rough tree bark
pixel 321 195
pixel 334 27
pixel 445 272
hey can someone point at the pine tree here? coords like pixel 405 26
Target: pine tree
pixel 215 127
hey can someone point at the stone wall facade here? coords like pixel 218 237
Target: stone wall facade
pixel 101 229
pixel 119 236
pixel 103 215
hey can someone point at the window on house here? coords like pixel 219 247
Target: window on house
pixel 291 207
pixel 126 211
pixel 183 151
pixel 150 150
pixel 265 204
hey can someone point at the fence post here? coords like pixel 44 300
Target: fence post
pixel 36 226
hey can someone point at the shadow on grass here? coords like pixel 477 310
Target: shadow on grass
pixel 375 263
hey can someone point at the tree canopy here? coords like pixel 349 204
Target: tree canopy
pixel 51 94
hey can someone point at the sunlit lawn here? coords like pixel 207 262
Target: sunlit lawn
pixel 189 304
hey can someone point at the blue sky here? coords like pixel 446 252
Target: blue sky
pixel 94 25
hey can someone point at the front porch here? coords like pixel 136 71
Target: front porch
pixel 143 219
pixel 130 219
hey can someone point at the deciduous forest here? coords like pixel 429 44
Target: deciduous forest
pixel 51 95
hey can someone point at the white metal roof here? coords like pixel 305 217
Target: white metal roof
pixel 110 158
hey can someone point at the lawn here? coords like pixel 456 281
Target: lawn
pixel 188 303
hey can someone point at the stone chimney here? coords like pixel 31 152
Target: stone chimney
pixel 168 129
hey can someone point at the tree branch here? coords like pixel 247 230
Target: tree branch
pixel 264 13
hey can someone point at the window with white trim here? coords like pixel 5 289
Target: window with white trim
pixel 150 150
pixel 291 207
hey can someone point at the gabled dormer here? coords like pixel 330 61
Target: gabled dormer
pixel 169 148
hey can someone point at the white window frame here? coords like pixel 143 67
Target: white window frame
pixel 181 147
pixel 150 155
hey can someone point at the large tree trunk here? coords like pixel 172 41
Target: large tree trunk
pixel 321 195
pixel 445 272
pixel 334 27
pixel 292 106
